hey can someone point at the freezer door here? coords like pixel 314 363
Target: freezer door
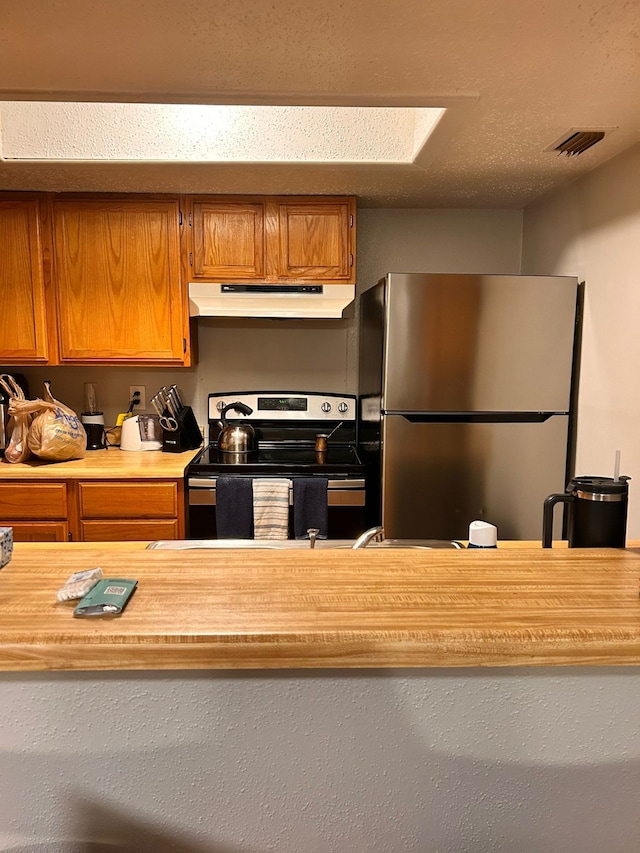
pixel 438 477
pixel 478 342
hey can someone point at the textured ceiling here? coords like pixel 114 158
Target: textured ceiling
pixel 515 77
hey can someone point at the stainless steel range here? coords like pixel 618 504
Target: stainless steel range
pixel 298 435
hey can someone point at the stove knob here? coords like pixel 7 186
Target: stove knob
pixel 326 407
pixel 220 405
pixel 342 408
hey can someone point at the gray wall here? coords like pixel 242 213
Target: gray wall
pixel 590 229
pixel 310 355
pixel 389 761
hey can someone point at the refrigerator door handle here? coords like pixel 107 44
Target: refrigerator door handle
pixel 476 417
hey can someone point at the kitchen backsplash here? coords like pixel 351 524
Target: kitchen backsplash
pixel 233 355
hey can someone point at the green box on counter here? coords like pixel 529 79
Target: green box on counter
pixel 107 598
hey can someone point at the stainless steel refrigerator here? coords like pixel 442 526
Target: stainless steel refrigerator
pixel 466 400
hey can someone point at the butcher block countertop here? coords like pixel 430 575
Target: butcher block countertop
pixel 103 464
pixel 239 609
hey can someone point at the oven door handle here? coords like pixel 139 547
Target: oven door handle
pixel 202 491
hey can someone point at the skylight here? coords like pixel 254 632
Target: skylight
pixel 54 131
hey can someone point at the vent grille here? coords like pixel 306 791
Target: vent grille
pixel 579 142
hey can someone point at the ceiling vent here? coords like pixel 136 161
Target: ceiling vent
pixel 576 141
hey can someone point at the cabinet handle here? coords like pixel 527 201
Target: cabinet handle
pixel 191 258
pixel 351 259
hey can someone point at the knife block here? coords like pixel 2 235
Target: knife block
pixel 186 437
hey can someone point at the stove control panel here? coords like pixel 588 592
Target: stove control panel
pixel 285 406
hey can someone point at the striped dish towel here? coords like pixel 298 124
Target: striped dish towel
pixel 271 509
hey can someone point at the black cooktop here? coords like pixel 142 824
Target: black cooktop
pixel 280 460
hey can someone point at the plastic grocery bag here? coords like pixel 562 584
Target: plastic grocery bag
pixel 17 450
pixel 56 432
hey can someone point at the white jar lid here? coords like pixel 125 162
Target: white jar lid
pixel 483 534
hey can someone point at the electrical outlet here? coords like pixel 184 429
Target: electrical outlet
pixel 142 390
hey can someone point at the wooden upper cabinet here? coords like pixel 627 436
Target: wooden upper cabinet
pixel 228 240
pixel 23 323
pixel 284 239
pixel 118 283
pixel 315 241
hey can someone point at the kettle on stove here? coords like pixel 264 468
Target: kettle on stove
pixel 237 440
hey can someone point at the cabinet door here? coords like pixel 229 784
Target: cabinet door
pixel 123 499
pixel 117 270
pixel 40 531
pixel 23 330
pixel 228 240
pixel 119 530
pixel 126 511
pixel 316 241
pixel 30 500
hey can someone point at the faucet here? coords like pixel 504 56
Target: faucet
pixel 374 533
pixel 313 535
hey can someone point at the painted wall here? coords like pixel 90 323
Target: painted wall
pixel 392 761
pixel 592 229
pixel 310 355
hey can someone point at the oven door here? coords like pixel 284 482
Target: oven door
pixel 345 499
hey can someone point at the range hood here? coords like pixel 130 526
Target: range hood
pixel 320 301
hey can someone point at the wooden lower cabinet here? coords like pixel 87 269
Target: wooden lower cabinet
pixel 22 500
pixel 128 531
pixel 40 531
pixel 37 512
pixel 93 511
pixel 128 511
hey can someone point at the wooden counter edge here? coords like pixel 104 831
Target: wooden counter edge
pixel 334 654
pixel 111 464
